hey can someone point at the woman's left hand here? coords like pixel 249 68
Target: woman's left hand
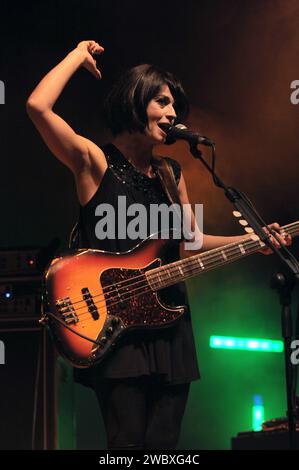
pixel 283 237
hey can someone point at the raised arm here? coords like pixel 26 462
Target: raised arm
pixel 75 151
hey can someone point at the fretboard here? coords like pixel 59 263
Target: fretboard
pixel 178 271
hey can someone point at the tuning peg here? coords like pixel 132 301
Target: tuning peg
pixel 243 222
pixel 237 214
pixel 255 237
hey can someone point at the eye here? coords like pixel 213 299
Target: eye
pixel 163 100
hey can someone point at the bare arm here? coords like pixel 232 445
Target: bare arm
pixel 73 150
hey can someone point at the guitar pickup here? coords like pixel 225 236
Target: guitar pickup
pixel 92 308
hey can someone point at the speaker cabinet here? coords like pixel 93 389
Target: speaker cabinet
pixel 36 404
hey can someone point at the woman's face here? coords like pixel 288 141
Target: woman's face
pixel 160 110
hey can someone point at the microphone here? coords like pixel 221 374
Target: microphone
pixel 181 132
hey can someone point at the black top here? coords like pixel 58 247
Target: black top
pixel 169 352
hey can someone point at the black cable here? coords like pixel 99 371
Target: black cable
pixel 72 330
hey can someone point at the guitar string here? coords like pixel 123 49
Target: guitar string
pixel 167 269
pixel 144 291
pixel 135 292
pixel 203 257
pixel 144 282
pixel 132 293
pixel 163 267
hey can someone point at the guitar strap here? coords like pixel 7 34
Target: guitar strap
pixel 167 178
pixel 166 174
pixel 74 238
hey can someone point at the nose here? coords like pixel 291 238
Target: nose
pixel 170 113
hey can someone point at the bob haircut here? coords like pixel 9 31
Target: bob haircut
pixel 126 104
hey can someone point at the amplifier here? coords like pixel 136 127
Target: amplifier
pixel 21 271
pixel 26 261
pixel 262 440
pixel 20 296
pixel 19 261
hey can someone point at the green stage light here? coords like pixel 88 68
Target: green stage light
pixel 258 413
pixel 246 344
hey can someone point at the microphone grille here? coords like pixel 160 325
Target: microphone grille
pixel 180 126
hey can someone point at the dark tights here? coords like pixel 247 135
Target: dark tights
pixel 142 412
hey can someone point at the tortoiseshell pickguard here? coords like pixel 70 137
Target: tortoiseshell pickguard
pixel 131 298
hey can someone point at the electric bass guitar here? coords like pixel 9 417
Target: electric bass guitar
pixel 92 297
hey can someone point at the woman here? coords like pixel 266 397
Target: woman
pixel 143 386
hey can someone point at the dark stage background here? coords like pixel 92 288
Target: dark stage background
pixel 236 61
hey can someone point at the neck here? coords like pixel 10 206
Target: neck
pixel 177 271
pixel 136 149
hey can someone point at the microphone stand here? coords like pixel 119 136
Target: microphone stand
pixel 284 284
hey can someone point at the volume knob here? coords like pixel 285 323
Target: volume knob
pixel 109 331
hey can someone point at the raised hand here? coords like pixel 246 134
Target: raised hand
pixel 91 48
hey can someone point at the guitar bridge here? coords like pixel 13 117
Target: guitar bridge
pixel 67 311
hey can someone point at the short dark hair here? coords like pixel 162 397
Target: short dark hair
pixel 126 104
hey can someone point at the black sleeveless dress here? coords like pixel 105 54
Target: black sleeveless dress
pixel 170 352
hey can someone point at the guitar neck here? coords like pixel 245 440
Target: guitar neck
pixel 178 271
